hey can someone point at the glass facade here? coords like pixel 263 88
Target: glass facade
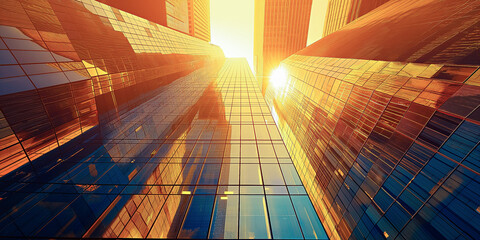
pixel 116 127
pixel 281 29
pixel 384 149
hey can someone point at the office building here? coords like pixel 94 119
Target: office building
pixel 116 127
pixel 342 12
pixel 199 19
pixel 382 121
pixel 281 29
pixel 187 16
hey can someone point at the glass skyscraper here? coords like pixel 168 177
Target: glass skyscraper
pixel 382 122
pixel 113 126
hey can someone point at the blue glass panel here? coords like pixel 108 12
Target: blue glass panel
pixel 282 218
pixel 210 174
pixel 225 218
pixel 311 226
pixel 197 218
pixel 254 222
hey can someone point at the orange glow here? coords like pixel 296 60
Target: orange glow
pixel 231 23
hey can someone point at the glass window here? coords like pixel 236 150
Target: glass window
pixel 282 217
pixel 290 174
pixel 249 151
pixel 197 219
pixel 272 174
pixel 15 84
pixel 49 79
pixel 296 190
pixel 6 57
pixel 229 174
pixel 225 218
pixel 250 174
pixel 275 190
pixel 251 190
pixel 261 132
pixel 170 218
pixel 22 44
pixel 266 150
pixel 253 218
pixel 311 226
pixel 33 56
pixel 281 151
pixel 247 132
pixel 210 174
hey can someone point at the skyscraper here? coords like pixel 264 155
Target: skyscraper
pixel 199 19
pixel 382 121
pixel 116 127
pixel 281 29
pixel 188 16
pixel 342 12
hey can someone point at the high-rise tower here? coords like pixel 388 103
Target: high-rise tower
pixel 112 126
pixel 342 12
pixel 199 19
pixel 382 120
pixel 281 29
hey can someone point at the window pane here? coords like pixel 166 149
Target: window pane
pixel 210 174
pixel 230 174
pixel 282 217
pixel 290 174
pixel 250 174
pixel 197 219
pixel 311 226
pixel 272 174
pixel 225 218
pixel 170 218
pixel 189 174
pixel 253 217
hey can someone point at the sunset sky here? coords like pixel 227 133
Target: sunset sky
pixel 231 26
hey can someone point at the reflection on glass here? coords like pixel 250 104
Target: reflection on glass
pixel 296 190
pixel 197 219
pixel 261 132
pixel 210 174
pixel 251 190
pixel 249 151
pixel 189 174
pixel 290 174
pixel 229 174
pixel 170 218
pixel 247 132
pixel 282 217
pixel 272 174
pixel 276 190
pixel 225 218
pixel 311 226
pixel 250 174
pixel 253 218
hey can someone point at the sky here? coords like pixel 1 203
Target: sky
pixel 231 26
pixel 317 20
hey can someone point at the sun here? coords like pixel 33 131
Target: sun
pixel 279 78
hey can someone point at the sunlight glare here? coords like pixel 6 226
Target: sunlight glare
pixel 279 78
